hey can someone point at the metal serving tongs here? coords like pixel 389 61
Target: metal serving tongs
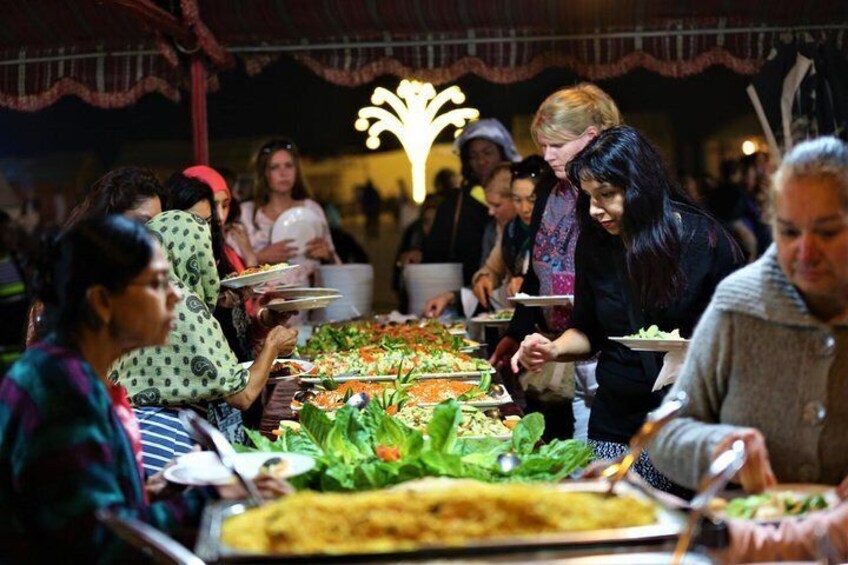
pixel 722 469
pixel 206 435
pixel 655 421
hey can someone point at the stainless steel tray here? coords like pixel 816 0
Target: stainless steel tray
pixel 497 396
pixel 388 378
pixel 668 526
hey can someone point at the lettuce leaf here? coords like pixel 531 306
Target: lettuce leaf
pixel 443 425
pixel 527 433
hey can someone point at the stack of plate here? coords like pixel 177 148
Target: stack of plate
pixel 355 282
pixel 427 280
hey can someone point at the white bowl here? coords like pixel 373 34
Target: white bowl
pixel 427 280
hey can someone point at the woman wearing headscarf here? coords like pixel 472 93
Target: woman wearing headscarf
pixel 462 216
pixel 196 367
pixel 65 452
pixel 237 247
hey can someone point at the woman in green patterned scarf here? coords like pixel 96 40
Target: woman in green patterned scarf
pixel 196 367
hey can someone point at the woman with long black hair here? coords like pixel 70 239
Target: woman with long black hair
pixel 645 256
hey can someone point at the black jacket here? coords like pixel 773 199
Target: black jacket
pixel 604 308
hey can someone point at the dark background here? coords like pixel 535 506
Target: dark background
pixel 288 99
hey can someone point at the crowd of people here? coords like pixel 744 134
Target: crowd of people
pixel 129 323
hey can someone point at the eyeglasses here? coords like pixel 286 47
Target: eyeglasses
pixel 277 144
pixel 162 284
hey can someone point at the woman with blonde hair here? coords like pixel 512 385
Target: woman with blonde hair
pixel 281 186
pixel 564 124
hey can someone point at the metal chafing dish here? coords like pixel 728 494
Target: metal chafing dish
pixel 658 537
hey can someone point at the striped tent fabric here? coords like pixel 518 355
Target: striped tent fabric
pixel 104 53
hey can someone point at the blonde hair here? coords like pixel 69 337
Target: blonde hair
pixel 567 113
pixel 504 192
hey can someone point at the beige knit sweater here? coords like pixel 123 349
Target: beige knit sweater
pixel 759 359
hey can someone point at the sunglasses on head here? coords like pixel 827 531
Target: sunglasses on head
pixel 276 145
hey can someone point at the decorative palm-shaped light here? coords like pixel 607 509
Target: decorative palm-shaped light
pixel 415 122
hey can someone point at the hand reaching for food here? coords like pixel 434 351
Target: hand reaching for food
pixel 756 475
pixel 483 289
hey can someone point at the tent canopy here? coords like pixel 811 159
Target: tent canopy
pixel 111 52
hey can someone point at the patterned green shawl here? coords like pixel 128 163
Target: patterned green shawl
pixel 196 364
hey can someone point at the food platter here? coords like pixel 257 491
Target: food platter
pixel 297 368
pixel 301 304
pixel 668 525
pixel 535 301
pixel 642 344
pixel 257 278
pixel 331 400
pixel 204 468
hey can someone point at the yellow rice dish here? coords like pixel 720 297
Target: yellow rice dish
pixel 396 520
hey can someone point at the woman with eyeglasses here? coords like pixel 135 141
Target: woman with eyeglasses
pixel 509 260
pixel 645 256
pixel 281 186
pixel 65 448
pixel 196 367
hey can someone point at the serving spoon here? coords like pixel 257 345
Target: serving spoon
pixel 359 400
pixel 722 469
pixel 206 435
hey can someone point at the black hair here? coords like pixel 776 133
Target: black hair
pixel 103 250
pixel 622 157
pixel 116 192
pixel 469 177
pixel 183 192
pixel 533 167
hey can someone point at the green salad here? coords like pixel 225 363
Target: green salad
pixel 369 449
pixel 774 505
pixel 653 332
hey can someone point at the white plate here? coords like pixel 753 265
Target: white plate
pixel 489 320
pixel 552 300
pixel 202 468
pixel 301 304
pixel 298 291
pixel 802 489
pixel 298 224
pixel 641 344
pixel 306 365
pixel 254 279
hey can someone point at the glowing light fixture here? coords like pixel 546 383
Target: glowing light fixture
pixel 749 147
pixel 414 122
